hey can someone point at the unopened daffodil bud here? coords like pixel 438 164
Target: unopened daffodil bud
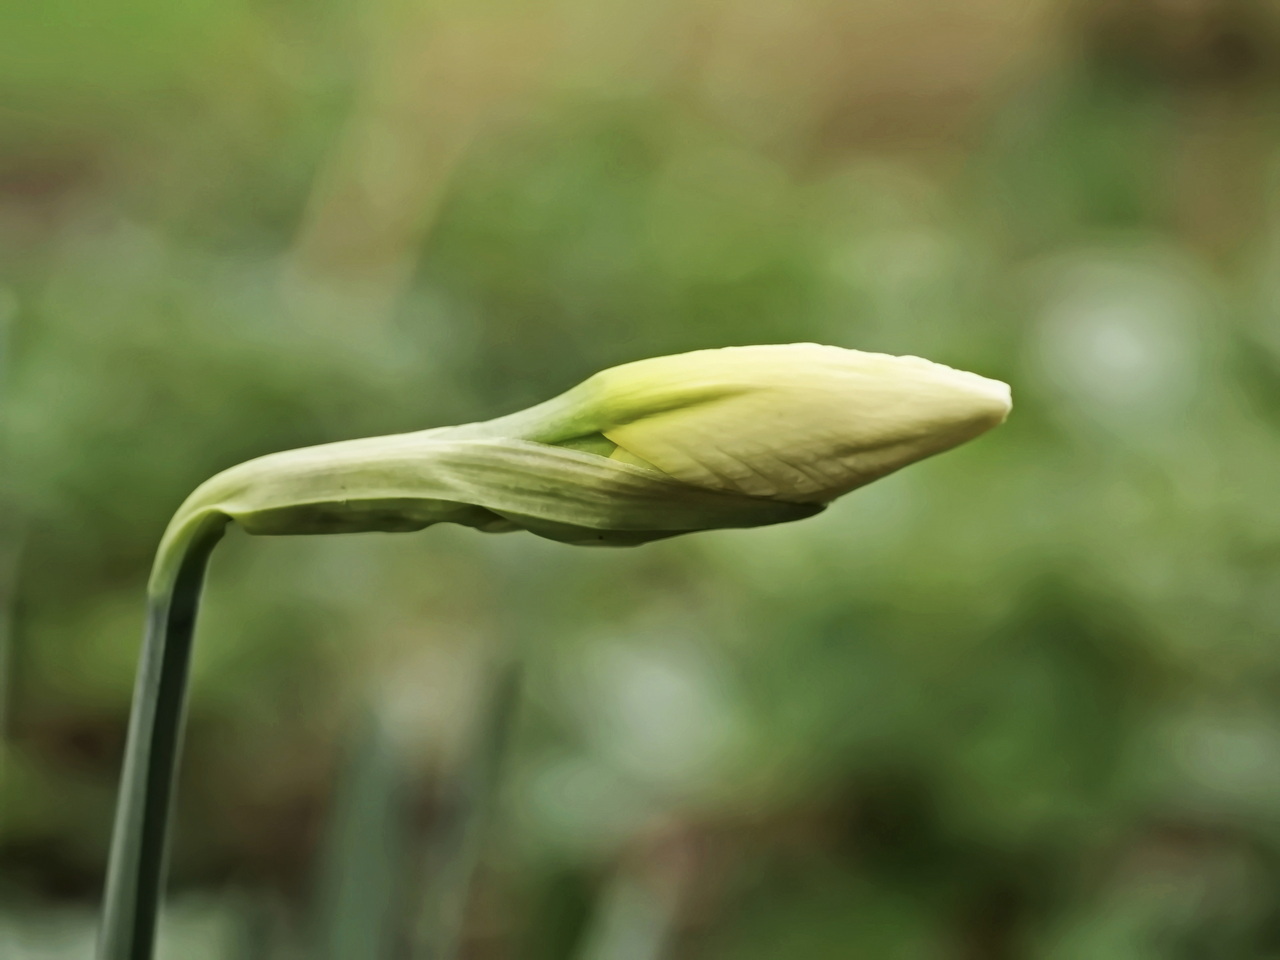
pixel 736 437
pixel 798 422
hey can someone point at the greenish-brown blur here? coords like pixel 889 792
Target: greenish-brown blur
pixel 1019 702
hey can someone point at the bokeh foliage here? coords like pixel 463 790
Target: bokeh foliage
pixel 1017 702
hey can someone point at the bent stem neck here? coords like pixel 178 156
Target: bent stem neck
pixel 135 869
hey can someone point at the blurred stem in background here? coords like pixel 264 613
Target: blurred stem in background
pixel 10 542
pixel 429 87
pixel 456 851
pixel 633 922
pixel 638 912
pixel 363 869
pixel 10 564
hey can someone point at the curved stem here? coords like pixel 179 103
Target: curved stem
pixel 135 870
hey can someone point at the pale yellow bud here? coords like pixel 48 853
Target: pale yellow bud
pixel 798 422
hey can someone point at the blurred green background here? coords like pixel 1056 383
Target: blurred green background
pixel 1021 702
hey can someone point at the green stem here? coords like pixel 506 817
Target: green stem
pixel 135 870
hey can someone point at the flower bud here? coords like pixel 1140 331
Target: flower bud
pixel 799 422
pixel 736 437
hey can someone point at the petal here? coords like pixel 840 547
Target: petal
pixel 799 422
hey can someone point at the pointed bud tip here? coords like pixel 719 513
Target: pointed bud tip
pixel 970 396
pixel 802 421
pixel 992 400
